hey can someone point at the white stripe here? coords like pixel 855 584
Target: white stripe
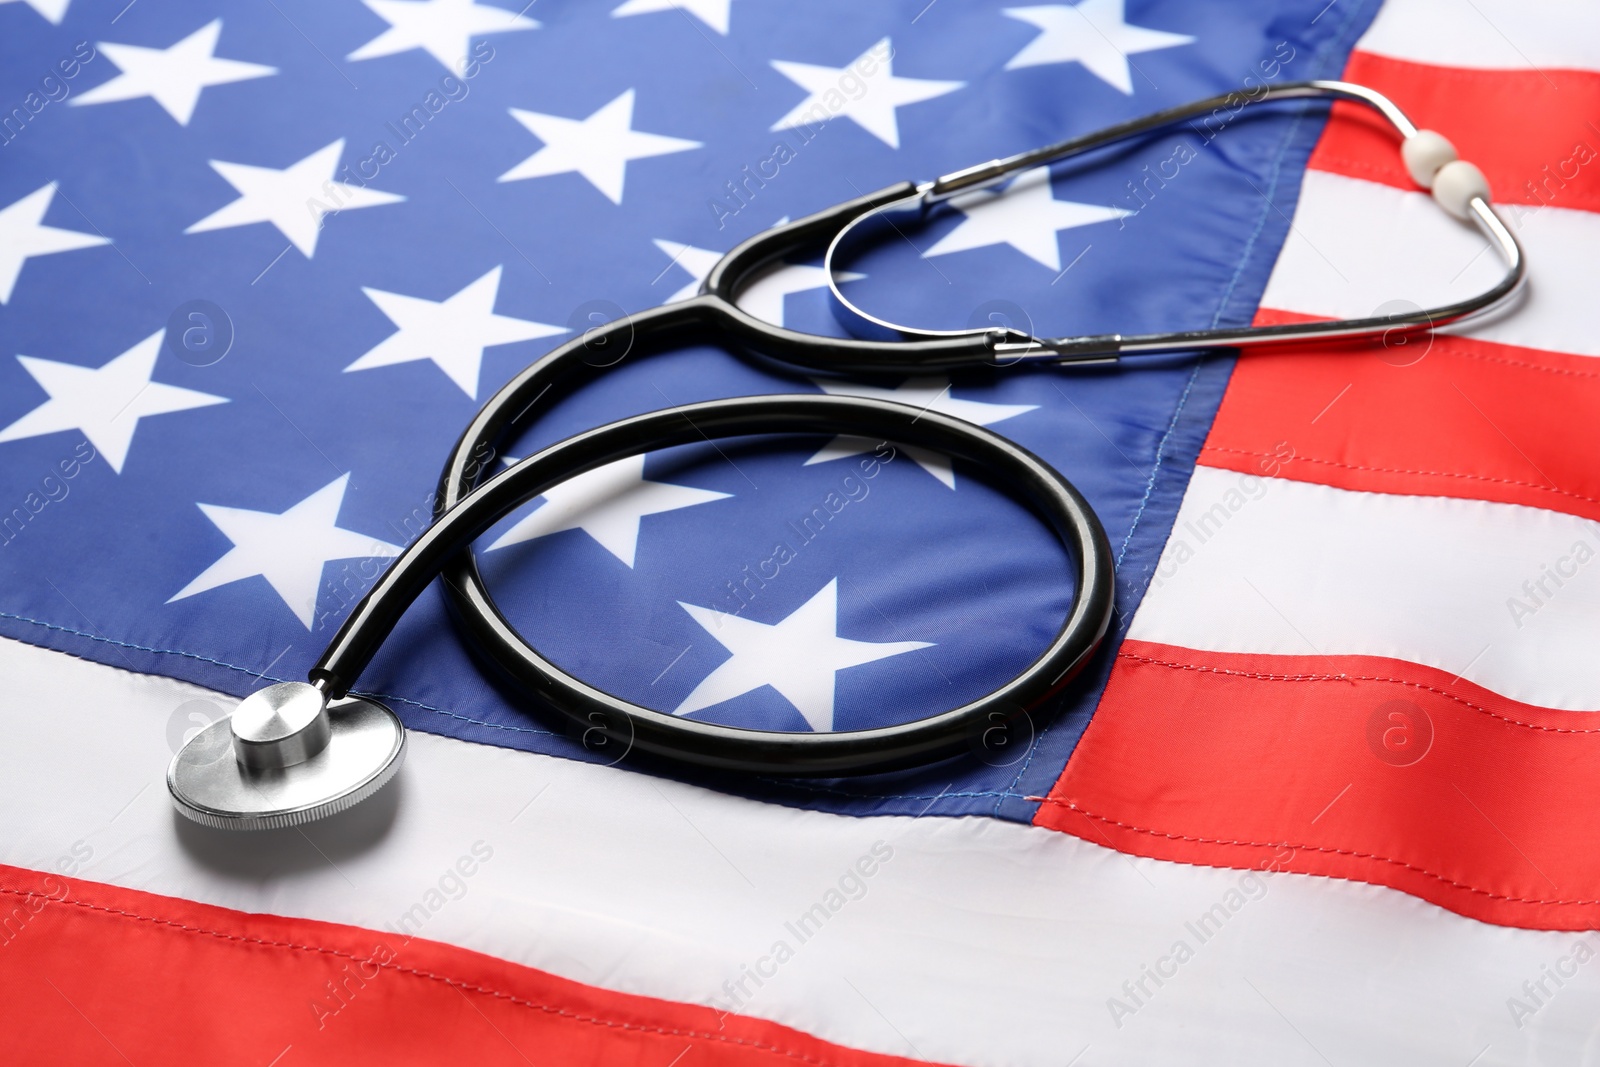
pixel 1359 248
pixel 1292 568
pixel 1509 34
pixel 978 942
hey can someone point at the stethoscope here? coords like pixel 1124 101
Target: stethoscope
pixel 298 751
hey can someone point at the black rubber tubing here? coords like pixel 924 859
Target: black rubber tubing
pixel 467 505
pixel 714 745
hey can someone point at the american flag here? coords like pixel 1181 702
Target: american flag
pixel 1328 795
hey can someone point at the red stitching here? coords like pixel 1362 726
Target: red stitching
pixel 453 982
pixel 1395 177
pixel 1314 848
pixel 1402 470
pixel 1332 164
pixel 1472 353
pixel 1265 677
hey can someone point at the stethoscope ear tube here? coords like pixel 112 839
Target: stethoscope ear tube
pixel 444 550
pixel 1459 188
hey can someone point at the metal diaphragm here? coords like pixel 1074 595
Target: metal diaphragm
pixel 210 784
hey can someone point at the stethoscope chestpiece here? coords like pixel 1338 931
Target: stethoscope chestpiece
pixel 286 756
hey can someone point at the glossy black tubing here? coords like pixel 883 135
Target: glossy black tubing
pixel 464 509
pixel 936 737
pixel 830 355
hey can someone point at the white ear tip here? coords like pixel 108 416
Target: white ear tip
pixel 1456 184
pixel 1424 153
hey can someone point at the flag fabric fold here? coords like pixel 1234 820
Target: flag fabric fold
pixel 259 267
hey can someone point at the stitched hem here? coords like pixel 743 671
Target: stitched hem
pixel 254 674
pixel 1467 475
pixel 1326 849
pixel 1264 676
pixel 549 1009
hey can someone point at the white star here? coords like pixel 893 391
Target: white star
pixel 442 28
pixel 763 294
pixel 452 332
pixel 1025 216
pixel 713 13
pixel 607 504
pixel 1093 33
pixel 873 109
pixel 288 550
pixel 105 404
pixel 24 235
pixel 52 10
pixel 598 147
pixel 294 199
pixel 697 261
pixel 930 393
pixel 173 76
pixel 797 657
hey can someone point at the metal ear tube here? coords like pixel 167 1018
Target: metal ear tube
pixel 1459 188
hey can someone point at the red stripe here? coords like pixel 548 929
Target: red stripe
pixel 94 974
pixel 1536 134
pixel 1302 763
pixel 1468 419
